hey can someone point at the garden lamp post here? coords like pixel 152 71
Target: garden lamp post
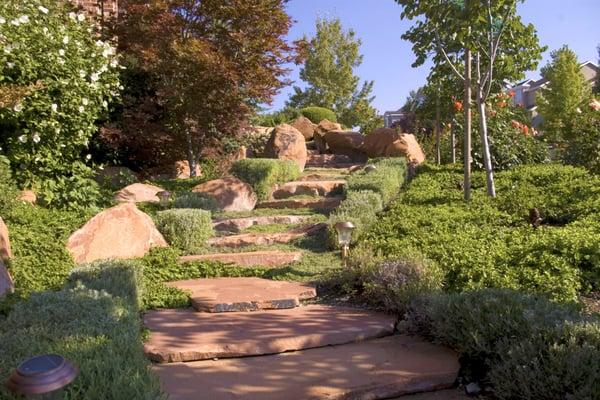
pixel 164 198
pixel 42 377
pixel 344 231
pixel 370 168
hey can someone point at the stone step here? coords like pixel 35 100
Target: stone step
pixel 185 335
pixel 270 259
pixel 265 239
pixel 309 187
pixel 376 369
pixel 239 224
pixel 327 159
pixel 319 204
pixel 244 294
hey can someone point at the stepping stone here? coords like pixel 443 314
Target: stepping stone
pixel 264 239
pixel 185 335
pixel 250 259
pixel 239 224
pixel 244 294
pixel 376 369
pixel 323 203
pixel 310 188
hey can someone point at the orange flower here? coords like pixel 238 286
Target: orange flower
pixel 511 93
pixel 525 130
pixel 516 124
pixel 502 104
pixel 458 106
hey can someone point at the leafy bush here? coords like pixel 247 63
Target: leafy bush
pixel 277 118
pixel 264 173
pixel 8 191
pixel 583 148
pixel 318 114
pixel 489 242
pixel 195 200
pixel 257 142
pixel 65 77
pixel 186 229
pixel 94 322
pixel 526 346
pixel 386 180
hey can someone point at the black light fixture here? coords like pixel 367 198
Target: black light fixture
pixel 42 377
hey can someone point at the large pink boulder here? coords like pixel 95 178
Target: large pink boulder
pixel 138 193
pixel 346 143
pixel 5 250
pixel 120 232
pixel 305 126
pixel 324 127
pixel 386 142
pixel 230 193
pixel 287 143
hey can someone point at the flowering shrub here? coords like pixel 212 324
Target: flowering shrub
pixel 70 77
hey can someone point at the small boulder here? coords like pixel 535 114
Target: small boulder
pixel 346 143
pixel 386 142
pixel 182 170
pixel 230 193
pixel 6 282
pixel 138 193
pixel 287 143
pixel 28 196
pixel 305 126
pixel 5 250
pixel 320 131
pixel 120 232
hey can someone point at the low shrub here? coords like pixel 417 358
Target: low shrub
pixel 263 173
pixel 94 322
pixel 526 346
pixel 8 191
pixel 360 208
pixel 318 114
pixel 195 200
pixel 386 180
pixel 583 147
pixel 186 229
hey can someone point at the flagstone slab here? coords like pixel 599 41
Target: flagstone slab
pixel 185 335
pixel 249 259
pixel 320 203
pixel 265 239
pixel 239 224
pixel 376 369
pixel 244 294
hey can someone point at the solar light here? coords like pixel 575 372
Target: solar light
pixel 370 168
pixel 164 198
pixel 344 231
pixel 42 377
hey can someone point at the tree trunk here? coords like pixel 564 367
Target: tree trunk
pixel 192 161
pixel 467 144
pixel 485 143
pixel 452 145
pixel 438 129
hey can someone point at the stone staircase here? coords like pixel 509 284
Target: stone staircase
pixel 254 338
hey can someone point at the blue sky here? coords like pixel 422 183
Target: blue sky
pixel 388 59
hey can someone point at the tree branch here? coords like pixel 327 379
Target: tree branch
pixel 441 49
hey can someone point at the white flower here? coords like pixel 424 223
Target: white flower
pixel 105 104
pixel 63 145
pixel 10 65
pixel 61 52
pixel 88 157
pixel 36 138
pixel 18 107
pixel 57 131
pixel 81 18
pixel 103 69
pixel 81 73
pixel 99 43
pixel 80 109
pixel 43 9
pixel 114 63
pixel 66 40
pixel 24 19
pixel 2 21
pixel 23 139
pixel 15 22
pixel 94 77
pixel 121 87
pixel 54 107
pixel 85 101
pixel 72 15
pixel 45 30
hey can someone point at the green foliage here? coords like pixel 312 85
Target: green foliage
pixel 360 208
pixel 94 322
pixel 186 229
pixel 583 147
pixel 333 54
pixel 8 191
pixel 71 76
pixel 115 178
pixel 529 347
pixel 386 180
pixel 567 91
pixel 495 245
pixel 195 200
pixel 318 114
pixel 263 173
pixel 284 116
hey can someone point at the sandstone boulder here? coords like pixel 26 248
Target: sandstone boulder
pixel 385 142
pixel 28 196
pixel 138 193
pixel 231 194
pixel 320 131
pixel 305 126
pixel 122 231
pixel 6 282
pixel 287 143
pixel 5 250
pixel 346 143
pixel 182 170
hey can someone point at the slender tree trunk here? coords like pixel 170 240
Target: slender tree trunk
pixel 438 130
pixel 485 143
pixel 452 145
pixel 467 144
pixel 192 162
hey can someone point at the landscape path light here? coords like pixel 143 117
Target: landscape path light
pixel 344 231
pixel 42 377
pixel 164 198
pixel 370 168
